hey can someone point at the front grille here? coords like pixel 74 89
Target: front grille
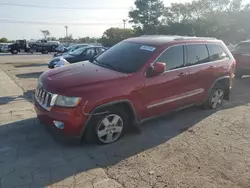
pixel 44 98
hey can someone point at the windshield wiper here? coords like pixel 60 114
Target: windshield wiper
pixel 108 66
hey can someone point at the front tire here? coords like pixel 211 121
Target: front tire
pixel 215 98
pixel 108 127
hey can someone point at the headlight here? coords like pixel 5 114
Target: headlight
pixel 54 60
pixel 67 101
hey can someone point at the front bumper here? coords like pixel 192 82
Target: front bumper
pixel 73 119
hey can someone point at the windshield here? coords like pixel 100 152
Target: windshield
pixel 70 47
pixel 126 57
pixel 78 51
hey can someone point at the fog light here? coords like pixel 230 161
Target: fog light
pixel 59 124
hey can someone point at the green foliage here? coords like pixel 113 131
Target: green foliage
pixel 45 33
pixel 88 40
pixel 114 35
pixel 146 16
pixel 224 19
pixel 3 40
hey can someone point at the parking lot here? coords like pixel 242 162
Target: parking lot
pixel 191 148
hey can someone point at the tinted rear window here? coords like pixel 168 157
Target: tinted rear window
pixel 126 57
pixel 216 52
pixel 197 54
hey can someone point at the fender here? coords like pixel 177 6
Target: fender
pixel 216 81
pixel 97 110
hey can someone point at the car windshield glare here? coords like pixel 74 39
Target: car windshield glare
pixel 126 57
pixel 78 51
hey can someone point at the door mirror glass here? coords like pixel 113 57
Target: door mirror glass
pixel 156 69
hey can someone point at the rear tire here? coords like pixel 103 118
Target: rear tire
pixel 215 98
pixel 108 127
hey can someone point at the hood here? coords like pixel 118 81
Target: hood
pixel 76 75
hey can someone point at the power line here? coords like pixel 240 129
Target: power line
pixel 57 23
pixel 5 16
pixel 66 8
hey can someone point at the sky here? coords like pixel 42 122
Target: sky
pixel 86 18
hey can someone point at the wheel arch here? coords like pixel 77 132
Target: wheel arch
pixel 224 80
pixel 102 109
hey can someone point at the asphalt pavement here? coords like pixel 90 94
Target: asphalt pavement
pixel 191 148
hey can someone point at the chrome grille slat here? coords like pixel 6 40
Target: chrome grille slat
pixel 44 98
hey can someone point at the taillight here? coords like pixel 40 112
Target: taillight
pixel 234 64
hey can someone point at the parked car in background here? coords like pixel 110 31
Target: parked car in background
pixel 133 81
pixel 81 54
pixel 19 46
pixel 61 48
pixel 70 49
pixel 242 55
pixel 5 47
pixel 1 45
pixel 52 45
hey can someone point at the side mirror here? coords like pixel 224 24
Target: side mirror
pixel 156 69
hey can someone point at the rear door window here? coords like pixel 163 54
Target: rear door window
pixel 216 52
pixel 197 54
pixel 173 57
pixel 90 52
pixel 100 50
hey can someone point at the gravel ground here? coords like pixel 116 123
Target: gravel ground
pixel 191 148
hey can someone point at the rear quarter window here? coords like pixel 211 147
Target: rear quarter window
pixel 216 52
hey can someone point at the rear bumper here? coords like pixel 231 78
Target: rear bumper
pixel 73 119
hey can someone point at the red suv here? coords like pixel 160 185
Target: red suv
pixel 242 55
pixel 135 80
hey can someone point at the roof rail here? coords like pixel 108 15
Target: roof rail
pixel 178 37
pixel 195 38
pixel 160 36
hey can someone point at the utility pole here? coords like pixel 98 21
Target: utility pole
pixel 124 23
pixel 66 27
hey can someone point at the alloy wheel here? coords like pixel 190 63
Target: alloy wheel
pixel 110 128
pixel 217 98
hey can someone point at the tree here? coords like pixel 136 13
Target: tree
pixel 3 40
pixel 146 16
pixel 114 35
pixel 46 33
pixel 88 40
pixel 223 19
